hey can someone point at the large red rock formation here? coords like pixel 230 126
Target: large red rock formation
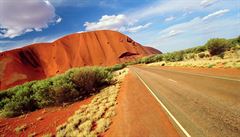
pixel 41 60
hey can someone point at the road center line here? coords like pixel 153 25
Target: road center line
pixel 164 107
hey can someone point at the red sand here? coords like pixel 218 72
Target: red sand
pixel 51 118
pixel 138 113
pixel 42 60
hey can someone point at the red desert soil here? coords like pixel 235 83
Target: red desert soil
pixel 41 121
pixel 138 113
pixel 225 72
pixel 41 60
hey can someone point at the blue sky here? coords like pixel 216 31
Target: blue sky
pixel 167 25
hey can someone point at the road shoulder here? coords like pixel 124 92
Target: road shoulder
pixel 138 113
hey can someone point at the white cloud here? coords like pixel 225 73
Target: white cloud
pixel 112 22
pixel 195 32
pixel 138 28
pixel 115 22
pixel 206 3
pixel 5 41
pixel 59 20
pixel 19 17
pixel 73 3
pixel 81 31
pixel 172 33
pixel 217 13
pixel 170 18
pixel 166 6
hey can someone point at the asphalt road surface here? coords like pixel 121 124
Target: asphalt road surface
pixel 204 105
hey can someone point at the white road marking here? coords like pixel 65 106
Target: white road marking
pixel 172 80
pixel 164 107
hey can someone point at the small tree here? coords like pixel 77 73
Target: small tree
pixel 217 46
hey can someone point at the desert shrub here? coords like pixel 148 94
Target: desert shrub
pixel 20 103
pixel 145 60
pixel 42 94
pixel 157 58
pixel 131 63
pixel 200 49
pixel 217 46
pixel 150 59
pixel 174 56
pixel 221 55
pixel 75 84
pixel 201 55
pixel 118 66
pixel 195 50
pixel 91 78
pixel 235 41
pixel 191 56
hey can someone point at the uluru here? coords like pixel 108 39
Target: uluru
pixel 41 60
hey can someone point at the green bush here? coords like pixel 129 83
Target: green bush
pixel 235 41
pixel 174 56
pixel 217 46
pixel 75 84
pixel 118 67
pixel 201 55
pixel 150 59
pixel 195 50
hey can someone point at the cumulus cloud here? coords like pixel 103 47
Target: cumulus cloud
pixel 217 13
pixel 170 18
pixel 206 3
pixel 115 22
pixel 112 22
pixel 19 17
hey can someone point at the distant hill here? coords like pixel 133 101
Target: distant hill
pixel 41 60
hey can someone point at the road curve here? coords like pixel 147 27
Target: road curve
pixel 204 105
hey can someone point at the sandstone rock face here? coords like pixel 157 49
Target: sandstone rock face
pixel 41 60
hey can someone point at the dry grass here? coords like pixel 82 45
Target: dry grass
pixel 39 118
pixel 95 118
pixel 20 128
pixel 231 60
pixel 32 134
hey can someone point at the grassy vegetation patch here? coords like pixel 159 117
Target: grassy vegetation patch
pixel 73 85
pixel 95 118
pixel 214 50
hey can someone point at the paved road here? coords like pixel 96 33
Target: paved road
pixel 204 105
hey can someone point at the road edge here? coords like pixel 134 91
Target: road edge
pixel 164 107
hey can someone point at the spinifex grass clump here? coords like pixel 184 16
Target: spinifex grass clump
pixel 75 84
pixel 93 119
